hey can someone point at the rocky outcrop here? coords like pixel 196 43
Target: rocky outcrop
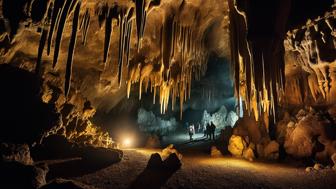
pixel 12 152
pixel 310 134
pixel 170 149
pixel 311 61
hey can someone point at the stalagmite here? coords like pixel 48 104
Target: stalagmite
pixel 71 51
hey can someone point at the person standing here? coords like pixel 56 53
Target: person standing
pixel 205 130
pixel 208 131
pixel 191 131
pixel 213 130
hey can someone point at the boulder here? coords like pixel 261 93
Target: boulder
pixel 170 149
pixel 309 169
pixel 231 118
pixel 271 151
pixel 155 161
pixel 15 152
pixel 172 163
pixel 63 183
pixel 248 154
pixel 236 146
pixel 215 152
pixel 17 175
pixel 318 166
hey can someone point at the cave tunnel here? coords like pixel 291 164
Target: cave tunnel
pixel 149 94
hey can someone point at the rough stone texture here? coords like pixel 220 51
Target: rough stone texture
pixel 237 145
pixel 215 152
pixel 15 152
pixel 318 166
pixel 333 158
pixel 17 175
pixel 248 154
pixel 310 61
pixel 170 149
pixel 271 151
pixel 309 133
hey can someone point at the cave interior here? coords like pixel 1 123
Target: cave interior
pixel 167 94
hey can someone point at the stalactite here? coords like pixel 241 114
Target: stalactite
pixel 71 51
pixel 108 33
pixel 140 20
pixel 65 12
pixel 56 12
pixel 40 50
pixel 84 26
pixel 86 29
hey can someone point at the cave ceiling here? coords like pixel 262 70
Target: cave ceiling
pixel 103 47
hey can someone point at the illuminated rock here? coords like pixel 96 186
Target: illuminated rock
pixel 248 154
pixel 333 158
pixel 215 152
pixel 318 166
pixel 170 149
pixel 237 146
pixel 231 118
pixel 311 135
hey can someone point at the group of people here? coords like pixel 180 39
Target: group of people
pixel 208 130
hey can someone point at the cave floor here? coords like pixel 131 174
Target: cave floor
pixel 202 171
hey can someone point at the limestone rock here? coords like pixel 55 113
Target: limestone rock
pixel 15 152
pixel 215 152
pixel 318 166
pixel 170 149
pixel 309 169
pixel 248 154
pixel 271 151
pixel 231 118
pixel 333 158
pixel 236 146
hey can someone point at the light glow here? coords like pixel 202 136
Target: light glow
pixel 127 142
